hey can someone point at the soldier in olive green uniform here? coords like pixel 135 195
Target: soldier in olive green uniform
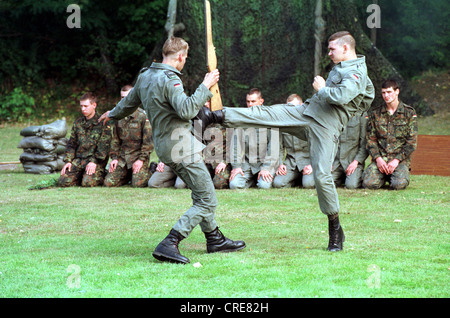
pixel 165 177
pixel 170 111
pixel 87 149
pixel 256 152
pixel 347 90
pixel 391 139
pixel 297 163
pixel 348 166
pixel 252 156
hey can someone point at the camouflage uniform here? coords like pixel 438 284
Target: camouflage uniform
pixel 352 146
pixel 390 137
pixel 131 141
pixel 215 153
pixel 89 142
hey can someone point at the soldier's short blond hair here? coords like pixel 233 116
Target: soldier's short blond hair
pixel 89 96
pixel 343 37
pixel 173 45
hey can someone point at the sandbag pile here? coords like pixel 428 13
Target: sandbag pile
pixel 43 147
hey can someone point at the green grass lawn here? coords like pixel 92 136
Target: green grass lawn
pixel 397 243
pixel 97 242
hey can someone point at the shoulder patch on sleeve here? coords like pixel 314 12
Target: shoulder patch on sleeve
pixel 171 75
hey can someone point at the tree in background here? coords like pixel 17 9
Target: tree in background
pixel 414 34
pixel 259 43
pixel 271 45
pixel 110 47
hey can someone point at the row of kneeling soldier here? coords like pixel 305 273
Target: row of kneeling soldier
pixel 388 133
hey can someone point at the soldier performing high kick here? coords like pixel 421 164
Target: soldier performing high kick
pixel 320 119
pixel 170 111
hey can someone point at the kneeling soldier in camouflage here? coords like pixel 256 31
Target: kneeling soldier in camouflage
pixel 87 149
pixel 131 147
pixel 391 139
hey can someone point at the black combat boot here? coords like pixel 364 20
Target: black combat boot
pixel 167 250
pixel 208 117
pixel 217 242
pixel 337 237
pixel 153 166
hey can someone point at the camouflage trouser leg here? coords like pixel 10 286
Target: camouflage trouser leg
pixel 71 178
pixel 140 179
pixel 94 180
pixel 77 176
pixel 222 180
pixel 119 177
pixel 374 179
pixel 400 177
pixel 122 175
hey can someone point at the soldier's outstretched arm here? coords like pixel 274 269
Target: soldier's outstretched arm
pixel 125 107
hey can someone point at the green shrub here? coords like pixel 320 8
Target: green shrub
pixel 16 105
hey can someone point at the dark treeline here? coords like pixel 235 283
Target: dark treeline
pixel 43 59
pixel 112 44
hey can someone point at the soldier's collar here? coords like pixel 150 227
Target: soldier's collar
pixel 400 108
pixel 163 66
pixel 94 119
pixel 359 59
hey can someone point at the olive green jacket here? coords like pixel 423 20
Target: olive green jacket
pixel 352 142
pixel 348 90
pixel 169 109
pixel 297 152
